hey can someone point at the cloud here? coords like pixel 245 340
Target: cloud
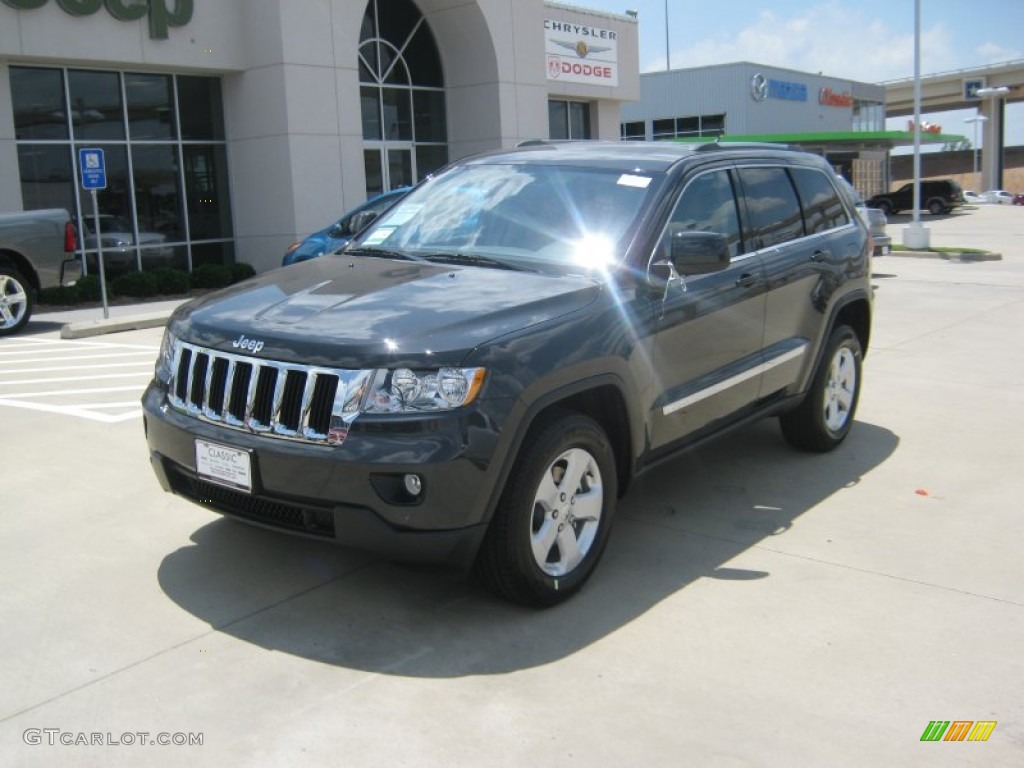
pixel 838 39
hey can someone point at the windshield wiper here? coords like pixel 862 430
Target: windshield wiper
pixel 473 260
pixel 382 253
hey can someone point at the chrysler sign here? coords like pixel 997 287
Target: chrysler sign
pixel 162 14
pixel 577 53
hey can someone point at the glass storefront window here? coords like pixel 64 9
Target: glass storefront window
pixel 38 99
pixel 150 107
pixel 158 191
pixel 163 194
pixel 96 112
pixel 206 184
pixel 46 180
pixel 204 118
pixel 568 120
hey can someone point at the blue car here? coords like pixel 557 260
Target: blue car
pixel 344 229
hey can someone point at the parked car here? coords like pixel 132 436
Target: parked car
pixel 997 196
pixel 972 198
pixel 36 251
pixel 937 197
pixel 875 220
pixel 1018 199
pixel 500 354
pixel 340 232
pixel 118 242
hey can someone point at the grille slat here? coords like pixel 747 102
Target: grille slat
pixel 283 400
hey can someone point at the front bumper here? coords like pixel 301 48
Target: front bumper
pixel 350 494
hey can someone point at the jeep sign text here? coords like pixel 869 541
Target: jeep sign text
pixel 163 14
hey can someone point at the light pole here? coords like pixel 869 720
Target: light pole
pixel 976 119
pixel 993 148
pixel 915 236
pixel 668 58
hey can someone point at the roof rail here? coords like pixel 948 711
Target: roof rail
pixel 717 145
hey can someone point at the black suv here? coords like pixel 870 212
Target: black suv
pixel 937 197
pixel 485 369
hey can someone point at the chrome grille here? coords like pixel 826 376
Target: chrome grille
pixel 286 400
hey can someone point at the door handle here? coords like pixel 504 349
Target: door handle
pixel 746 280
pixel 820 256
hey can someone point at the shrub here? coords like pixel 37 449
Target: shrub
pixel 59 296
pixel 241 271
pixel 136 284
pixel 169 280
pixel 210 276
pixel 88 288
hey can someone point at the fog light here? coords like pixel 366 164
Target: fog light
pixel 413 484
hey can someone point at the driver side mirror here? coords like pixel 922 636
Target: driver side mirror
pixel 693 252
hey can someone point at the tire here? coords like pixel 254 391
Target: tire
pixel 550 528
pixel 936 207
pixel 16 300
pixel 885 207
pixel 824 418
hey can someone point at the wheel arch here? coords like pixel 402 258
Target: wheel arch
pixel 24 266
pixel 856 313
pixel 601 398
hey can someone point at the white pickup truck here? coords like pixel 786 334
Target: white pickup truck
pixel 36 252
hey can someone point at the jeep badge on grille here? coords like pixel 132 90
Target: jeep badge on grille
pixel 253 345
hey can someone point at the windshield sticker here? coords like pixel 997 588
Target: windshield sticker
pixel 403 213
pixel 379 235
pixel 628 180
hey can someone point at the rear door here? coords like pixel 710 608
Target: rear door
pixel 796 217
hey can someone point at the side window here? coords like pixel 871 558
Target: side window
pixel 823 210
pixel 772 207
pixel 708 205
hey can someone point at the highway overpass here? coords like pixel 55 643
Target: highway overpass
pixel 957 90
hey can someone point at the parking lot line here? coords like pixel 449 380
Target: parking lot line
pixel 146 373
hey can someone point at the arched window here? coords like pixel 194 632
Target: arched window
pixel 401 91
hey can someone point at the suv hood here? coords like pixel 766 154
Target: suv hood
pixel 362 312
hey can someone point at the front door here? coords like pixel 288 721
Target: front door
pixel 707 343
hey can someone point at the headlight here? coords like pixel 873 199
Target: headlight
pixel 165 360
pixel 403 390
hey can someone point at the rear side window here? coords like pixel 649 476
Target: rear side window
pixel 708 205
pixel 773 210
pixel 823 210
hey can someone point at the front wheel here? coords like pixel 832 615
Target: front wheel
pixel 15 300
pixel 824 418
pixel 553 520
pixel 936 207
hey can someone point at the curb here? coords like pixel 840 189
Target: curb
pixel 949 255
pixel 88 328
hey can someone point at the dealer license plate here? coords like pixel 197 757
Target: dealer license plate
pixel 224 465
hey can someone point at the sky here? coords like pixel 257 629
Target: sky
pixel 866 40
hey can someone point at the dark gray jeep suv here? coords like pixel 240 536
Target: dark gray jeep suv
pixel 486 368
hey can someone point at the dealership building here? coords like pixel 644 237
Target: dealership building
pixel 844 120
pixel 231 127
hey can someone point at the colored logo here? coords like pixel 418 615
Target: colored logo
pixel 958 730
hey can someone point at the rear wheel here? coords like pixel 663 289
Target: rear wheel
pixel 16 300
pixel 824 418
pixel 936 207
pixel 552 523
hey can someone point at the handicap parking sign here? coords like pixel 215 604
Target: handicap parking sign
pixel 92 168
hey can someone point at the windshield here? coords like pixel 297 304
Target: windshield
pixel 515 213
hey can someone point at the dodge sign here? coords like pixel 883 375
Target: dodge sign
pixel 577 53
